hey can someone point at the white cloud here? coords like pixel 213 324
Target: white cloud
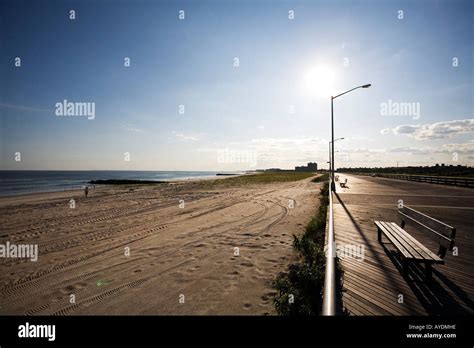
pixel 131 128
pixel 406 129
pixel 465 148
pixel 185 137
pixel 438 130
pixel 412 150
pixel 24 108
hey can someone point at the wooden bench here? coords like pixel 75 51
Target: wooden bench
pixel 343 183
pixel 411 249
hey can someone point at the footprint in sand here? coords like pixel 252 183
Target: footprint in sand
pixel 246 264
pixel 267 298
pixel 233 275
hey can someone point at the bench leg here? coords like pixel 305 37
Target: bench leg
pixel 379 234
pixel 405 268
pixel 428 271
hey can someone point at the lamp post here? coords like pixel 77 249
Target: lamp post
pixel 330 149
pixel 333 185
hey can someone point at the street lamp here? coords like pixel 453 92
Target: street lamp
pixel 330 146
pixel 333 185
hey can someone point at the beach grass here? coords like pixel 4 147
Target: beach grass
pixel 321 178
pixel 259 178
pixel 300 288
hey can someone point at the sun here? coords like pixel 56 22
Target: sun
pixel 319 81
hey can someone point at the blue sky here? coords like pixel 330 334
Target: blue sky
pixel 259 114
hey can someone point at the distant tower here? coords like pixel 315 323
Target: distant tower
pixel 312 167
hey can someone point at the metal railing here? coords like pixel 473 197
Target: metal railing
pixel 441 180
pixel 329 294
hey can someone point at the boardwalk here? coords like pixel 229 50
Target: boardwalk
pixel 373 282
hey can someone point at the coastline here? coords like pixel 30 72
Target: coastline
pixel 79 187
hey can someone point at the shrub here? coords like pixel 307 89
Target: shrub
pixel 300 289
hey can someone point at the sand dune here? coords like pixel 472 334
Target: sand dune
pixel 182 259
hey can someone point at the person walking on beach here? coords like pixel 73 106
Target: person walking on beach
pixel 86 190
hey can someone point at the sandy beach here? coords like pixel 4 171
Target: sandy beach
pixel 177 248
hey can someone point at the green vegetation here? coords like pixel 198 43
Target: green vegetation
pixel 437 170
pixel 321 178
pixel 316 228
pixel 300 289
pixel 259 178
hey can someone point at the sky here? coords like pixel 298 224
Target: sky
pixel 234 85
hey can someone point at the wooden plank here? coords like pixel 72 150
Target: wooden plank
pixel 376 305
pixel 407 244
pixel 377 278
pixel 406 253
pixel 352 302
pixel 416 244
pixel 378 293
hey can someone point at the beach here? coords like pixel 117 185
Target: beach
pixel 178 248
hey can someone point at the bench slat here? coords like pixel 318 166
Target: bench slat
pixel 424 251
pixel 406 244
pixel 393 240
pixel 408 247
pixel 402 240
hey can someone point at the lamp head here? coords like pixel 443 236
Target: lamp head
pixel 366 86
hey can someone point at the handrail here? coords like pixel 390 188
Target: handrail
pixel 433 179
pixel 329 295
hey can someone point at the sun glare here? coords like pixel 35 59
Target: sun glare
pixel 319 81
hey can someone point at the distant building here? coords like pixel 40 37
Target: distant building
pixel 311 167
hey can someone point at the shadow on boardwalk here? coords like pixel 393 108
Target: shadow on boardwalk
pixel 440 296
pixel 432 295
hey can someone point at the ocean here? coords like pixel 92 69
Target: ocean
pixel 21 182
